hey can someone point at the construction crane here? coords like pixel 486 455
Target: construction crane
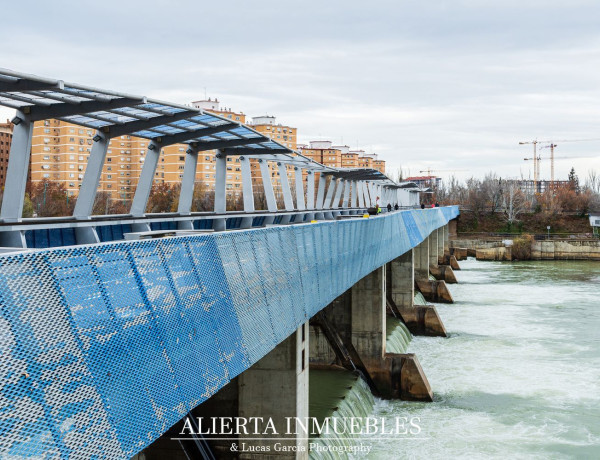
pixel 537 158
pixel 536 161
pixel 552 146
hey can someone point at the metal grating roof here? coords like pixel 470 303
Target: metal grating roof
pixel 117 114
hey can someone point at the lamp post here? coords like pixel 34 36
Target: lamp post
pixel 548 228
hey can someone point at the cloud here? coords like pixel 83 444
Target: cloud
pixel 455 85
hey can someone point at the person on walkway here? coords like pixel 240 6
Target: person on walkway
pixel 422 205
pixel 389 207
pixel 396 207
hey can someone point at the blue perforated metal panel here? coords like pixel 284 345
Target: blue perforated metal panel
pixel 104 347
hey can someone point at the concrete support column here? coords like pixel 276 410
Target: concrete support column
pixel 432 239
pixel 420 319
pixel 358 319
pixel 434 291
pixel 441 243
pixel 421 261
pixel 447 239
pixel 276 387
pixel 368 319
pixel 401 280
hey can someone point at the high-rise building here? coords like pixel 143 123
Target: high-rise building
pixel 323 152
pixel 287 135
pixel 60 151
pixel 268 126
pixel 6 130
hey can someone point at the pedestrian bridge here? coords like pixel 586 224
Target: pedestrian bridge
pixel 107 342
pixel 106 346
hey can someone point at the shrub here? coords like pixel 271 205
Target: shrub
pixel 521 248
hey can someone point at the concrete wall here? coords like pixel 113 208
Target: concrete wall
pixel 566 250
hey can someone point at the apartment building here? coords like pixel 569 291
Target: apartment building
pixel 6 130
pixel 287 135
pixel 60 151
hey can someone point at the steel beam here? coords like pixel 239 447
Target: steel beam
pixel 93 171
pixel 267 185
pixel 248 192
pixel 338 193
pixel 220 182
pixel 300 205
pixel 310 190
pixel 187 135
pixel 67 109
pixel 140 125
pixel 144 186
pixel 361 194
pixel 346 200
pixel 18 167
pixel 321 191
pixel 23 84
pixel 330 190
pixel 285 187
pixel 186 194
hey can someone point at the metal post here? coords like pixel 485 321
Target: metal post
pixel 361 195
pixel 18 167
pixel 285 187
pixel 93 171
pixel 186 194
pixel 371 193
pixel 338 193
pixel 354 197
pixel 320 191
pixel 220 182
pixel 310 190
pixel 345 201
pixel 248 192
pixel 267 185
pixel 142 191
pixel 332 185
pixel 299 189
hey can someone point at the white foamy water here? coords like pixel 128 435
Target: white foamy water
pixel 519 376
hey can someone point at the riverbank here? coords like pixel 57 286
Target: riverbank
pixel 526 248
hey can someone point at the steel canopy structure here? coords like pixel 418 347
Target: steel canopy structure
pixel 114 114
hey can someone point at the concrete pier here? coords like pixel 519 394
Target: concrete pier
pixel 419 319
pixel 359 317
pixel 274 388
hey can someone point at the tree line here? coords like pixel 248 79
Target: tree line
pixel 492 194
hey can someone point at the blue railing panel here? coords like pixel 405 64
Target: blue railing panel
pixel 107 346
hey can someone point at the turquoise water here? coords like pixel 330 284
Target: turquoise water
pixel 519 376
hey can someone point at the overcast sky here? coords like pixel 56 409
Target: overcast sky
pixel 425 84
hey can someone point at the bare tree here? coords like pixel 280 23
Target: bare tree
pixel 491 187
pixel 515 202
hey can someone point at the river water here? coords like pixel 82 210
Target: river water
pixel 519 376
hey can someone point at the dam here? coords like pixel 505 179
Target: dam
pixel 122 332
